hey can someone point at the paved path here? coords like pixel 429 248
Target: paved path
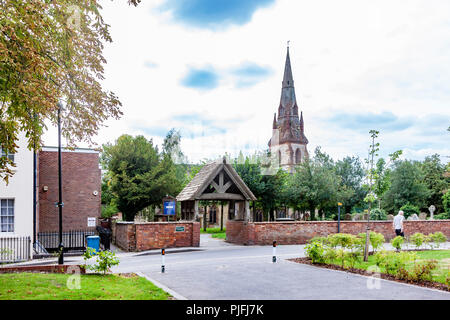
pixel 223 271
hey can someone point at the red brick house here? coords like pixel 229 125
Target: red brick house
pixel 81 181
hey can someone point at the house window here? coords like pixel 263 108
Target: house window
pixel 10 156
pixel 7 215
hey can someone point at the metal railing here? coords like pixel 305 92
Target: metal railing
pixel 15 249
pixel 72 240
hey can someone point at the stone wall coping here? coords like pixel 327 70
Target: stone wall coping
pixel 345 221
pixel 153 223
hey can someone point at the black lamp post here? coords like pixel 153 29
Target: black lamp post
pixel 60 204
pixel 339 216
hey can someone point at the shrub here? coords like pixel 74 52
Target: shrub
pixel 376 240
pixel 417 239
pixel 397 242
pixel 378 214
pixel 395 262
pixel 442 216
pixel 438 238
pixel 423 270
pixel 352 257
pixel 322 240
pixel 409 209
pixel 315 251
pixel 105 260
pixel 343 240
pixel 330 255
pixel 428 240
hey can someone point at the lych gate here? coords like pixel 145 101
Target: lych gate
pixel 216 181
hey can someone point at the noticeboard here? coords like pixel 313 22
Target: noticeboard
pixel 169 207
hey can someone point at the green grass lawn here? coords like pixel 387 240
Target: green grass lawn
pixel 439 275
pixel 52 286
pixel 212 230
pixel 222 235
pixel 215 232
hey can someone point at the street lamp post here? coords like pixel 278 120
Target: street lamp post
pixel 60 203
pixel 339 216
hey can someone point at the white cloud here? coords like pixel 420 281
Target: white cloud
pixel 347 56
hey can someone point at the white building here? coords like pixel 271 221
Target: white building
pixel 16 206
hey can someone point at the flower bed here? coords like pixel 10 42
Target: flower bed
pixel 345 252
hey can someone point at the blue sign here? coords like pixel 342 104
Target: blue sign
pixel 169 207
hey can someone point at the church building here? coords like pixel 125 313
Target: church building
pixel 288 142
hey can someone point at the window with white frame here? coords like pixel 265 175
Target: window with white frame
pixel 6 215
pixel 3 153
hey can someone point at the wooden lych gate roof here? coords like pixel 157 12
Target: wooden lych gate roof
pixel 216 181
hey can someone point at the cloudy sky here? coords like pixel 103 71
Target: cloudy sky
pixel 213 70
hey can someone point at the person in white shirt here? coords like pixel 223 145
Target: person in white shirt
pixel 398 224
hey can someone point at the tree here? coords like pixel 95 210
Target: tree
pixel 140 175
pixel 315 184
pixel 435 180
pixel 268 189
pixel 407 186
pixel 351 171
pixel 51 51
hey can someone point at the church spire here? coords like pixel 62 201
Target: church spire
pixel 288 103
pixel 274 121
pixel 288 79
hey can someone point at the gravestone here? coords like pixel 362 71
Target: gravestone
pixel 348 217
pixel 390 217
pixel 365 216
pixel 432 209
pixel 413 217
pixel 423 216
pixel 357 217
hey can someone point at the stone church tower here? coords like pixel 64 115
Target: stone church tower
pixel 288 142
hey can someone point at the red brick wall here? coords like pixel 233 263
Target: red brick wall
pixel 81 176
pixel 124 235
pixel 264 233
pixel 155 235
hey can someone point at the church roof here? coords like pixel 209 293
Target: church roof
pixel 205 177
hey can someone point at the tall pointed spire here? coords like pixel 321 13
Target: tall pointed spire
pixel 288 103
pixel 274 121
pixel 288 79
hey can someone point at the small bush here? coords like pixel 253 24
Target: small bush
pixel 409 209
pixel 395 262
pixel 322 240
pixel 343 240
pixel 352 257
pixel 417 239
pixel 428 240
pixel 397 242
pixel 376 239
pixel 423 270
pixel 105 260
pixel 315 251
pixel 438 238
pixel 330 255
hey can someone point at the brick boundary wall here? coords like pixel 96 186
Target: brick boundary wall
pixel 131 236
pixel 42 269
pixel 299 232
